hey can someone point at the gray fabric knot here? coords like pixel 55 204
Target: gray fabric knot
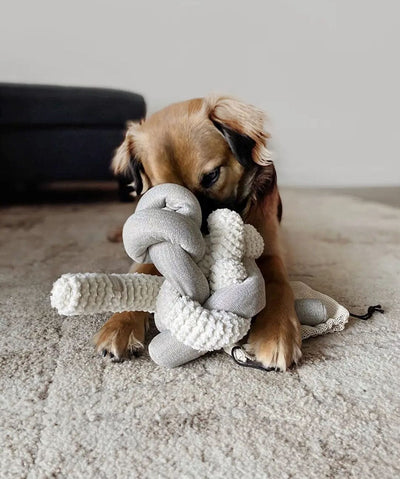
pixel 213 286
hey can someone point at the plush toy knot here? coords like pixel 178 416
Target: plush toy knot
pixel 211 286
pixel 165 230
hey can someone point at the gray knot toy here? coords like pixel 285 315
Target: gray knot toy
pixel 211 286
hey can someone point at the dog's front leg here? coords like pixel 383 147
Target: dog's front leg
pixel 124 333
pixel 275 337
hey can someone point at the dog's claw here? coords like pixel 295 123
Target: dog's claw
pixel 111 355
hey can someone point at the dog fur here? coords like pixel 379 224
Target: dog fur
pixel 217 147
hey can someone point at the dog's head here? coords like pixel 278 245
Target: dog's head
pixel 215 146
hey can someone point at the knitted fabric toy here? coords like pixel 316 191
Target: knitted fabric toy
pixel 211 286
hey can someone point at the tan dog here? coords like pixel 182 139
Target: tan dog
pixel 216 147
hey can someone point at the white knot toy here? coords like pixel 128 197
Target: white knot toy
pixel 211 286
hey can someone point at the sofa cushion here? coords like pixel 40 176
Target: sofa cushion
pixel 38 105
pixel 50 133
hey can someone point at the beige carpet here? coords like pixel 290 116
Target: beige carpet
pixel 67 413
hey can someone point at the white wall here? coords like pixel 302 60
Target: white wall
pixel 326 71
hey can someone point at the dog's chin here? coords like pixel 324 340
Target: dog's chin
pixel 208 205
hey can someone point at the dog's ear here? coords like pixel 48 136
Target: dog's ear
pixel 126 164
pixel 242 126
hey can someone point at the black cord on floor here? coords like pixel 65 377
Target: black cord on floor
pixel 371 311
pixel 248 363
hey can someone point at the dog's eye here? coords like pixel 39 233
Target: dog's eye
pixel 210 178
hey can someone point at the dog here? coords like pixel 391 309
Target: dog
pixel 217 147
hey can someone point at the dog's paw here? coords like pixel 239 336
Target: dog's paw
pixel 122 336
pixel 276 346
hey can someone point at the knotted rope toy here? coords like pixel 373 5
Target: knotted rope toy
pixel 211 286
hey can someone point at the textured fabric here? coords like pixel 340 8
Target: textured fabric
pixel 165 350
pixel 311 311
pixel 67 413
pixel 170 239
pixel 165 230
pixel 88 293
pixel 337 315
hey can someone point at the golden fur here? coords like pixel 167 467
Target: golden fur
pixel 182 143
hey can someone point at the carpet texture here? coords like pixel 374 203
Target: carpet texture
pixel 67 413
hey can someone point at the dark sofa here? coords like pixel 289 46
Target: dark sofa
pixel 51 133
